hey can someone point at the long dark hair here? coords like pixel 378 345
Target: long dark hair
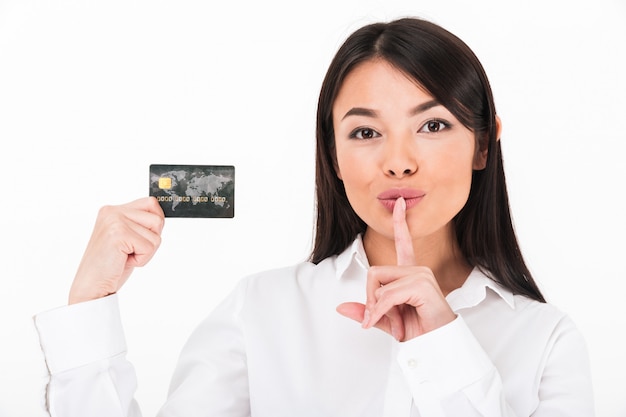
pixel 447 68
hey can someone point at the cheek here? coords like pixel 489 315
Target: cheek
pixel 349 173
pixel 349 165
pixel 356 172
pixel 453 170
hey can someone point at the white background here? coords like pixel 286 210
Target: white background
pixel 93 92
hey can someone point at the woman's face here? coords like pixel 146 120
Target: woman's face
pixel 393 139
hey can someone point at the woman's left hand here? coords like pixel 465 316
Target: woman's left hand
pixel 403 300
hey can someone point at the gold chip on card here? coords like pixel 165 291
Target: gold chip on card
pixel 165 183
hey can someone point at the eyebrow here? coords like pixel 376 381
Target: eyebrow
pixel 421 108
pixel 362 111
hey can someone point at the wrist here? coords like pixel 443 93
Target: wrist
pixel 81 293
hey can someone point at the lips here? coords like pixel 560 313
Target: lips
pixel 411 196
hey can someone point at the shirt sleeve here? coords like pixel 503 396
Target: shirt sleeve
pixel 449 374
pixel 85 352
pixel 566 389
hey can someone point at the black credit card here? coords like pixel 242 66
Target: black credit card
pixel 194 190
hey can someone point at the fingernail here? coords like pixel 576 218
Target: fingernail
pixel 366 318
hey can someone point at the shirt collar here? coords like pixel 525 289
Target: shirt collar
pixel 353 257
pixel 472 292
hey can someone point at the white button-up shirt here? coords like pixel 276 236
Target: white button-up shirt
pixel 276 347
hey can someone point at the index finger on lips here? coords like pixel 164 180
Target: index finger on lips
pixel 402 236
pixel 404 251
pixel 404 254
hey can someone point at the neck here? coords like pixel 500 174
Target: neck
pixel 439 252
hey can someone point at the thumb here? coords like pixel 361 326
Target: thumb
pixel 354 311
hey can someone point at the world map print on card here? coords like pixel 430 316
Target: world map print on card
pixel 194 190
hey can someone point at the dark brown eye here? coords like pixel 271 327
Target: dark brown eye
pixel 434 126
pixel 367 133
pixel 364 133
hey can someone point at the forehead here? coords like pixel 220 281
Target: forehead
pixel 376 82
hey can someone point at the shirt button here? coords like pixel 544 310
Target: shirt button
pixel 411 363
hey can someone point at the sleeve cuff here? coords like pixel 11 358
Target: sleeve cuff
pixel 445 360
pixel 75 335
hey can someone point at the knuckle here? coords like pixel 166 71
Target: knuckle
pixel 157 243
pixel 380 293
pixel 385 294
pixel 109 214
pixel 105 211
pixel 160 223
pixel 114 228
pixel 374 271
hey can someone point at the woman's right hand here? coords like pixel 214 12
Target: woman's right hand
pixel 124 237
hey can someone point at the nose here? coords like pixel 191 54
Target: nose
pixel 400 157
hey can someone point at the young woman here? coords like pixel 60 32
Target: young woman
pixel 413 237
